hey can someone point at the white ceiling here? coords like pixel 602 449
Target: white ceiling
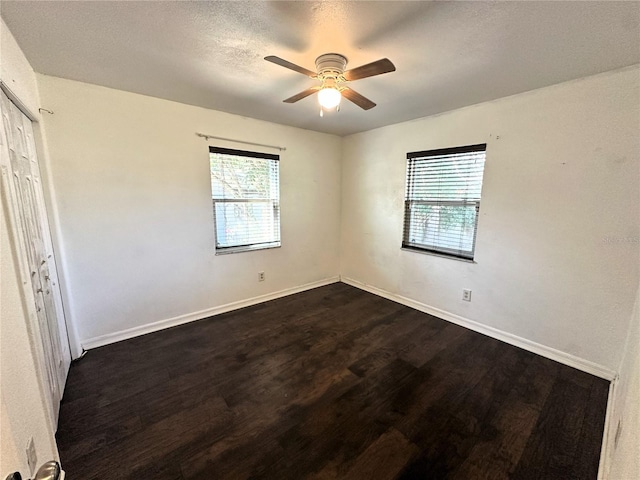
pixel 447 54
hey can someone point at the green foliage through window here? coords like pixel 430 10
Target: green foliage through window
pixel 245 192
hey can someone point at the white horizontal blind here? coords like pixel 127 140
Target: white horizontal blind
pixel 442 200
pixel 245 188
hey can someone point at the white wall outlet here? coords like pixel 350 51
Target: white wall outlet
pixel 32 456
pixel 466 295
pixel 261 276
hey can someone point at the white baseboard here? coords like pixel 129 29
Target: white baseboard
pixel 102 340
pixel 608 436
pixel 537 348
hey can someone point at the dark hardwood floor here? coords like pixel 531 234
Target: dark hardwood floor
pixel 329 383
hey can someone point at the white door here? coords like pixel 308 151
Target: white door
pixel 22 192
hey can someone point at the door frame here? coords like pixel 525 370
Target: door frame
pixel 54 248
pixel 48 336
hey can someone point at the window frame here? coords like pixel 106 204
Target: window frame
pixel 408 202
pixel 250 247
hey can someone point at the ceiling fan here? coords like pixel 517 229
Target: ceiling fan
pixel 330 70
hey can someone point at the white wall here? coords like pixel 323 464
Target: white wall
pixel 133 192
pixel 556 260
pixel 625 463
pixel 23 410
pixel 16 72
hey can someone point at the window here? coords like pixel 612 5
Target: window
pixel 245 188
pixel 443 200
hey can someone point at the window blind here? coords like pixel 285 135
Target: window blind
pixel 245 189
pixel 442 200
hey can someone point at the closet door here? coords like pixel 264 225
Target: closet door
pixel 24 199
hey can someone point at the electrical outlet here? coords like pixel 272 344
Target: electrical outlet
pixel 261 276
pixel 32 457
pixel 466 295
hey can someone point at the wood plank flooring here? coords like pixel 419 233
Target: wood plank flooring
pixel 329 383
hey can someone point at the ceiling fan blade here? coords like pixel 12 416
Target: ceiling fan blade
pixel 290 66
pixel 359 100
pixel 370 69
pixel 301 95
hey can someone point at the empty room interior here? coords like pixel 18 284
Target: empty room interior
pixel 320 240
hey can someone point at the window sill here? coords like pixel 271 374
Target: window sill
pixel 435 254
pixel 228 251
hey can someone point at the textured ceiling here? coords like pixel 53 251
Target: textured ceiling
pixel 447 54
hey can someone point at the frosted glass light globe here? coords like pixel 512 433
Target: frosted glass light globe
pixel 329 97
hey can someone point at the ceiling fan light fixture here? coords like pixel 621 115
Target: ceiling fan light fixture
pixel 329 97
pixel 330 71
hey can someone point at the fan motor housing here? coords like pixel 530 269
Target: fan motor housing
pixel 331 64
